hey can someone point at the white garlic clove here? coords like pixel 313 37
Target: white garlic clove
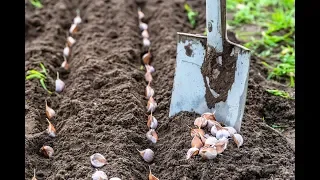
pixel 73 29
pixel 151 176
pixel 224 140
pixel 200 122
pixel 115 178
pixel 145 34
pixel 51 130
pixel 196 132
pixel 65 65
pixel 47 151
pixel 238 139
pixel 66 51
pixel 71 41
pixel 196 142
pixel 152 122
pixel 99 175
pixel 49 112
pixel 149 68
pixel 77 20
pixel 149 91
pixel 211 141
pixel 152 136
pixel 148 77
pixel 220 147
pixel 231 130
pixel 208 153
pixel 222 133
pixel 151 105
pixel 214 130
pixel 140 14
pixel 143 26
pixel 146 42
pixel 192 152
pixel 147 155
pixel 59 84
pixel 98 160
pixel 209 116
pixel 207 135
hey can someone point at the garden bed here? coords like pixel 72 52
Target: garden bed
pixel 103 107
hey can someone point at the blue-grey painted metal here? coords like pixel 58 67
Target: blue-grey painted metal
pixel 189 88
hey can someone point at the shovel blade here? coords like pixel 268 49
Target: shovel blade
pixel 190 85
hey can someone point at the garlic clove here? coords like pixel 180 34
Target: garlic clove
pixel 223 139
pixel 146 58
pixel 49 112
pixel 220 147
pixel 214 130
pixel 47 151
pixel 152 136
pixel 115 178
pixel 140 14
pixel 77 20
pixel 146 42
pixel 148 77
pixel 66 51
pixel 210 123
pixel 145 34
pixel 231 130
pixel 98 160
pixel 222 133
pixel 211 141
pixel 143 26
pixel 149 91
pixel 196 142
pixel 192 152
pixel 209 116
pixel 99 175
pixel 208 153
pixel 152 122
pixel 147 155
pixel 151 176
pixel 59 84
pixel 151 105
pixel 149 68
pixel 34 175
pixel 71 41
pixel 207 136
pixel 202 138
pixel 73 29
pixel 51 130
pixel 65 64
pixel 238 139
pixel 200 122
pixel 195 132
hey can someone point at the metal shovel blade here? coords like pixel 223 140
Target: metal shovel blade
pixel 211 72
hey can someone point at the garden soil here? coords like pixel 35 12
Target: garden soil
pixel 103 106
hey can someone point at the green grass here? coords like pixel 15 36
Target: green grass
pixel 192 15
pixel 40 75
pixel 276 42
pixel 280 93
pixel 36 3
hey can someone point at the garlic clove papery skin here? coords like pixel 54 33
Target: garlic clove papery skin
pixel 47 151
pixel 222 133
pixel 99 175
pixel 196 132
pixel 140 15
pixel 50 112
pixel 98 160
pixel 146 42
pixel 71 41
pixel 231 130
pixel 152 122
pixel 66 51
pixel 149 68
pixel 147 155
pixel 152 136
pixel 208 153
pixel 59 85
pixel 214 130
pixel 192 152
pixel 143 26
pixel 148 77
pixel 238 139
pixel 149 92
pixel 200 122
pixel 145 34
pixel 77 20
pixel 73 28
pixel 209 116
pixel 211 141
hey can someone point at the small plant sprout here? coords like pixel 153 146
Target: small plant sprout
pixel 98 160
pixel 77 19
pixel 59 84
pixel 49 111
pixel 280 93
pixel 41 75
pixel 34 175
pixel 192 15
pixel 65 64
pixel 99 175
pixel 151 176
pixel 147 155
pixel 36 3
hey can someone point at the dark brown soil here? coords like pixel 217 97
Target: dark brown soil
pixel 103 108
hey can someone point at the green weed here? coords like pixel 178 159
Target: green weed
pixel 41 75
pixel 192 15
pixel 36 3
pixel 280 93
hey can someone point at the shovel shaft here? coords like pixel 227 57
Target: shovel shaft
pixel 216 24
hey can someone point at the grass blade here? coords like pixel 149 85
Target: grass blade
pixel 44 86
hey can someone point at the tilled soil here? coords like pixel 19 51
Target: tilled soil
pixel 103 108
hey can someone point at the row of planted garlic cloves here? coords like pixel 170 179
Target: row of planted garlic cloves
pixel 152 123
pixel 209 146
pixel 59 86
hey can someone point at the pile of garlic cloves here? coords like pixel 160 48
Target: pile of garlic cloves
pixel 208 146
pixel 152 122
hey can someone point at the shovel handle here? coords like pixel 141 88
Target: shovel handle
pixel 216 24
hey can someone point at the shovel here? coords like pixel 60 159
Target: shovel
pixel 211 72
